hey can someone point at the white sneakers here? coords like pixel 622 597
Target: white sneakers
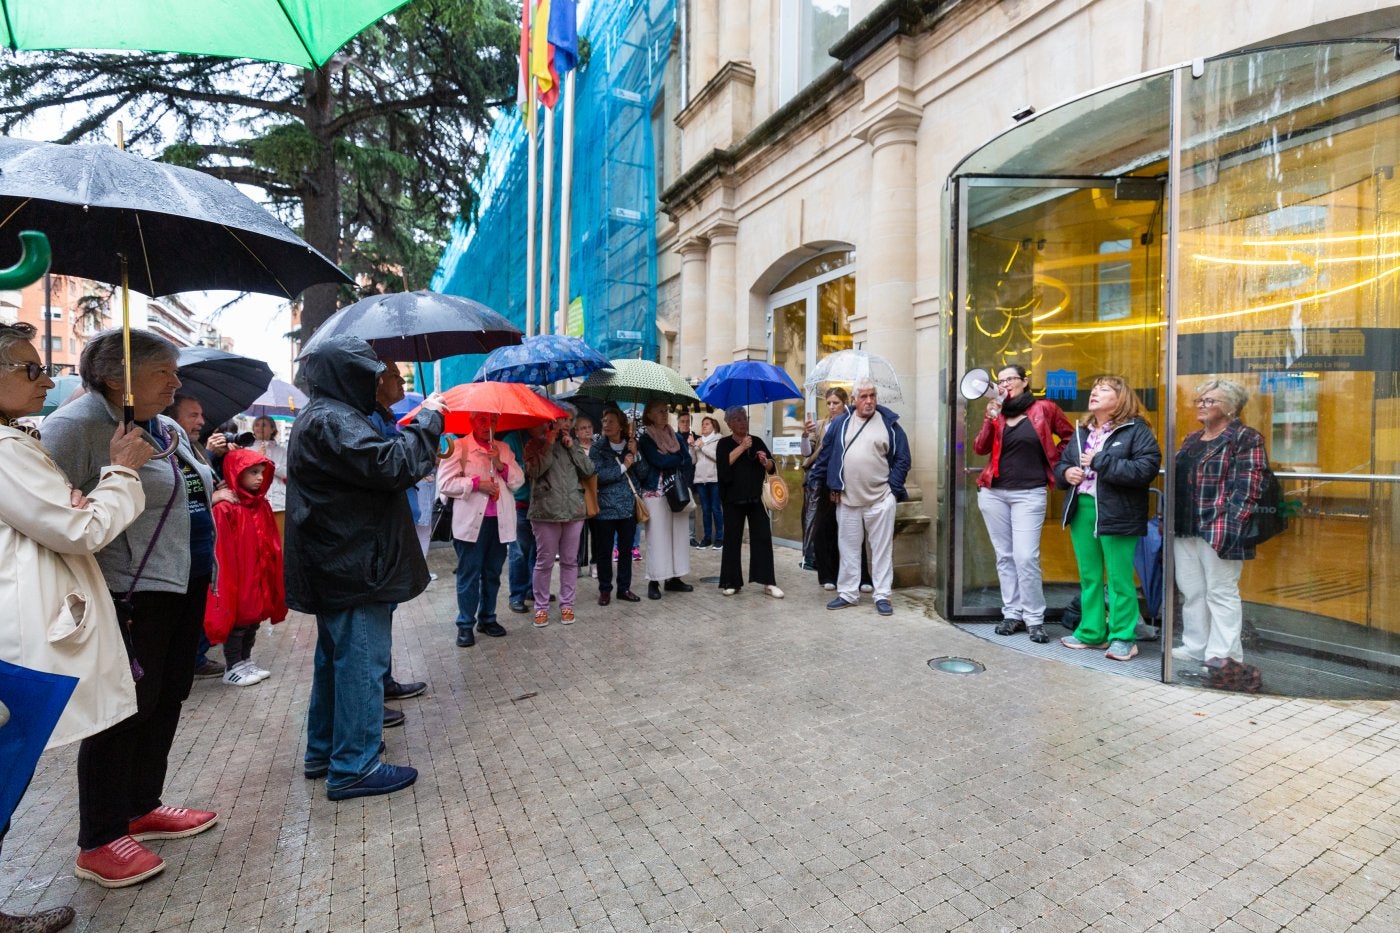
pixel 729 591
pixel 867 588
pixel 828 586
pixel 773 591
pixel 245 674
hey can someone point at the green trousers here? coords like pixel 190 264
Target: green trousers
pixel 1094 553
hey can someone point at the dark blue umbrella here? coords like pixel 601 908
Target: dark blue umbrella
pixel 542 359
pixel 747 382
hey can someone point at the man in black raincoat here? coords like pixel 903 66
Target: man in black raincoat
pixel 351 553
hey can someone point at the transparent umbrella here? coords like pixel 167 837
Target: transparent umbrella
pixel 844 367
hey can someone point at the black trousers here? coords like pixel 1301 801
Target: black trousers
pixel 824 534
pixel 606 533
pixel 731 561
pixel 121 770
pixel 239 645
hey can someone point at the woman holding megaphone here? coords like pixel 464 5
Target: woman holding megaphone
pixel 1024 436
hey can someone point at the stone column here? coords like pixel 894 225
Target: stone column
pixel 704 42
pixel 694 255
pixel 721 296
pixel 888 267
pixel 734 26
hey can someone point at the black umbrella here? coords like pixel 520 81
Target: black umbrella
pixel 224 383
pixel 419 326
pixel 172 229
pixel 113 216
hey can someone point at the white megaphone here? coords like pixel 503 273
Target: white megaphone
pixel 978 383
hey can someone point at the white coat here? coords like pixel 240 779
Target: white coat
pixel 59 616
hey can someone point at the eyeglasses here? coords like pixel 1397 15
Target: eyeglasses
pixel 32 370
pixel 1207 402
pixel 1005 379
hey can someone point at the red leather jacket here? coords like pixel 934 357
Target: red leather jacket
pixel 1046 418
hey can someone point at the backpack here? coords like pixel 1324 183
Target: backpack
pixel 1268 518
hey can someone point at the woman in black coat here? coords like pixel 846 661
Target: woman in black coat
pixel 1108 466
pixel 744 463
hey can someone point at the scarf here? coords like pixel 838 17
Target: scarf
pixel 664 438
pixel 1017 405
pixel 20 426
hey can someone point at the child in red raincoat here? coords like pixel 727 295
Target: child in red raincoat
pixel 248 549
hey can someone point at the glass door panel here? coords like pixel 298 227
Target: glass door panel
pixel 1064 278
pixel 1289 263
pixel 789 351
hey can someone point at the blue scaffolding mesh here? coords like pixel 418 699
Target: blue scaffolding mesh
pixel 613 213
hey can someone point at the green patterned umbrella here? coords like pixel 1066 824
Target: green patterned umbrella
pixel 640 382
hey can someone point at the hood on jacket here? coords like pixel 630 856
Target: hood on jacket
pixel 238 462
pixel 346 369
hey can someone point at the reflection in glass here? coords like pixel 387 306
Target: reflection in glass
pixel 1288 257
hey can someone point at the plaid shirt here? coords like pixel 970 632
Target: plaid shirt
pixel 1228 482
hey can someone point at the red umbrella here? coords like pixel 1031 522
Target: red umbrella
pixel 514 405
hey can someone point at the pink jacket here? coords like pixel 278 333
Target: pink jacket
pixel 457 478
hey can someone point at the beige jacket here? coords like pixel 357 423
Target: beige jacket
pixel 59 616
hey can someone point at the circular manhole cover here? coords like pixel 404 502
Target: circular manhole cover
pixel 956 665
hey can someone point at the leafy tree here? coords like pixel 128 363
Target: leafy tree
pixel 372 153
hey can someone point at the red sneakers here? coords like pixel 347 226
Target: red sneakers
pixel 171 823
pixel 119 863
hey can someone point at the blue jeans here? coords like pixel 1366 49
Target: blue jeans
pixel 479 566
pixel 711 512
pixel 522 559
pixel 345 718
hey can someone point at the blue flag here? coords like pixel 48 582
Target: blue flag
pixel 563 34
pixel 34 701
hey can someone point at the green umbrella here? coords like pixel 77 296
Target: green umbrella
pixel 299 32
pixel 641 382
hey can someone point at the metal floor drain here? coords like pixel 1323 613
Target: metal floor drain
pixel 949 665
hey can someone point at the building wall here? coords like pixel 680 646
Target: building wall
pixel 861 155
pixel 70 329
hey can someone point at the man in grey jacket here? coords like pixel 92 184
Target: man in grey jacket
pixel 351 554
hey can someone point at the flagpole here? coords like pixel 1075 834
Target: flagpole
pixel 547 325
pixel 566 186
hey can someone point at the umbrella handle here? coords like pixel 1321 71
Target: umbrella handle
pixel 451 447
pixel 34 256
pixel 129 416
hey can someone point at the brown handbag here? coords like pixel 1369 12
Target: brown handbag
pixel 639 505
pixel 590 495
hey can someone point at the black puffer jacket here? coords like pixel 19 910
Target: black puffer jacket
pixel 350 537
pixel 1126 467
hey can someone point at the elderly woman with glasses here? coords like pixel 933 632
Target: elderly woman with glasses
pixel 59 618
pixel 1219 480
pixel 158 572
pixel 1024 436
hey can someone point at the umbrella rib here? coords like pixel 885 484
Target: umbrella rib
pixel 10 216
pixel 145 258
pixel 257 259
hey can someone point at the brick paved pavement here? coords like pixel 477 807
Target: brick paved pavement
pixel 738 764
